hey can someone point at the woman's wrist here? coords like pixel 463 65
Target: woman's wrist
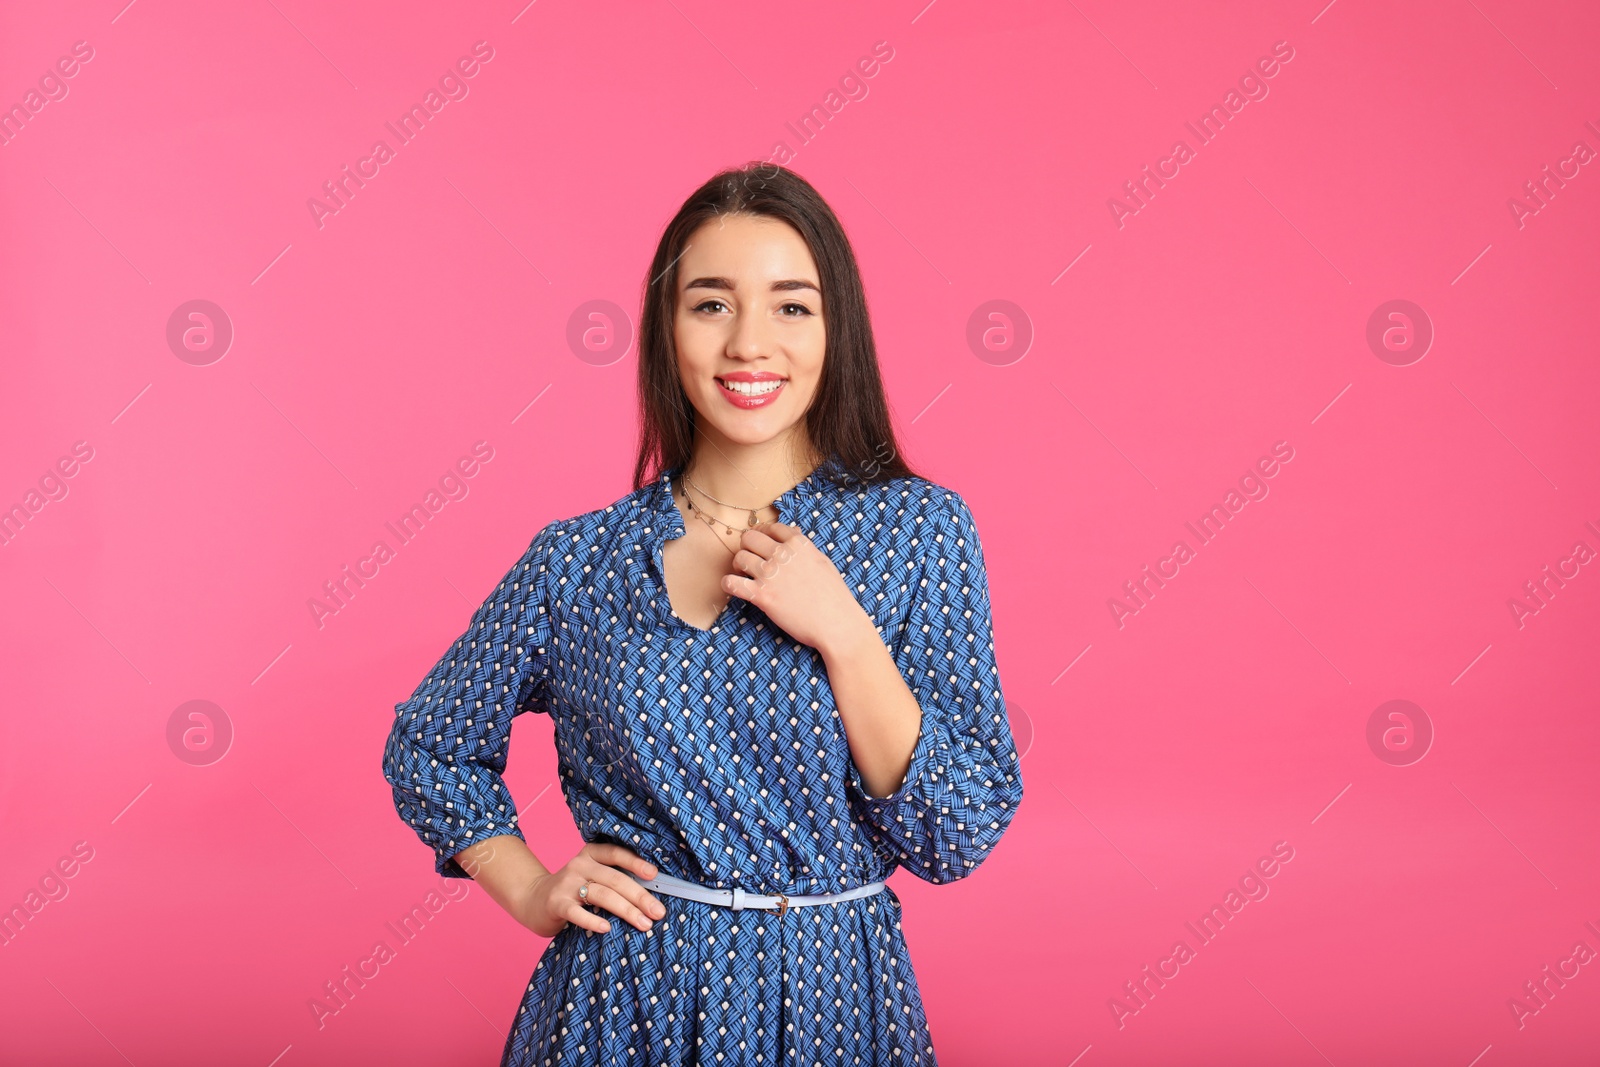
pixel 856 638
pixel 506 869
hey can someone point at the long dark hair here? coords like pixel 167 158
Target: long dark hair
pixel 849 416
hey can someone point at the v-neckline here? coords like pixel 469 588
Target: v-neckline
pixel 678 530
pixel 674 527
pixel 716 623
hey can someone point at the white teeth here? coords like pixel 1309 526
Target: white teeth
pixel 752 388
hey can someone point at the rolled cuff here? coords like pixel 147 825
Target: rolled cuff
pixel 883 809
pixel 445 863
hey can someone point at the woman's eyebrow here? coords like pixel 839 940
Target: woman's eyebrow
pixel 788 284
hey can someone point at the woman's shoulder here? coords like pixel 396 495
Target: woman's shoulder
pixel 918 498
pixel 568 549
pixel 630 517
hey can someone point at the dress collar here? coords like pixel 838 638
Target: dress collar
pixel 658 520
pixel 791 503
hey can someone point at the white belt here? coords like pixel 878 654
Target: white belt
pixel 737 899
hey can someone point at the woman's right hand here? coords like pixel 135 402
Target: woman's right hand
pixel 552 900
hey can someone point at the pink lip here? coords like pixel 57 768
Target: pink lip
pixel 739 400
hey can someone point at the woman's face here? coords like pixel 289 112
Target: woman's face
pixel 749 316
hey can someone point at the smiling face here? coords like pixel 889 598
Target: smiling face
pixel 749 328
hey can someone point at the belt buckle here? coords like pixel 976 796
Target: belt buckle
pixel 783 906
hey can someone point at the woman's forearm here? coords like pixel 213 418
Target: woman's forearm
pixel 505 867
pixel 882 719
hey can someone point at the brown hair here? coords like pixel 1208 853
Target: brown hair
pixel 849 416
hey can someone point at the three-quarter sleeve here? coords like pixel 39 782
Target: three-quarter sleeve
pixel 447 749
pixel 964 783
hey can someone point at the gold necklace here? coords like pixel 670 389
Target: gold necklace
pixel 713 522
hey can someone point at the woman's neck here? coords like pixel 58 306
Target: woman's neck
pixel 748 477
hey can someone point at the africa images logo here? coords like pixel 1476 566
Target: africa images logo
pixel 452 84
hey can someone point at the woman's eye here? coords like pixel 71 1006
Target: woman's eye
pixel 789 308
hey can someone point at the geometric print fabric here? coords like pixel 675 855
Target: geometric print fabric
pixel 719 755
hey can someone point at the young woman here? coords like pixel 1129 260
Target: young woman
pixel 772 677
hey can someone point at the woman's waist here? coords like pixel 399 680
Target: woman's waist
pixel 683 870
pixel 766 874
pixel 737 898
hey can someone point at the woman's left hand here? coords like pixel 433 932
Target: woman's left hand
pixel 795 584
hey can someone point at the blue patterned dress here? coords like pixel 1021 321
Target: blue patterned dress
pixel 719 755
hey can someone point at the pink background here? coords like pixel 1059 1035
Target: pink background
pixel 1164 756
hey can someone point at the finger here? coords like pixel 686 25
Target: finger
pixel 638 895
pixel 754 565
pixel 573 910
pixel 782 548
pixel 608 874
pixel 743 588
pixel 793 535
pixel 617 856
pixel 758 541
pixel 604 895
